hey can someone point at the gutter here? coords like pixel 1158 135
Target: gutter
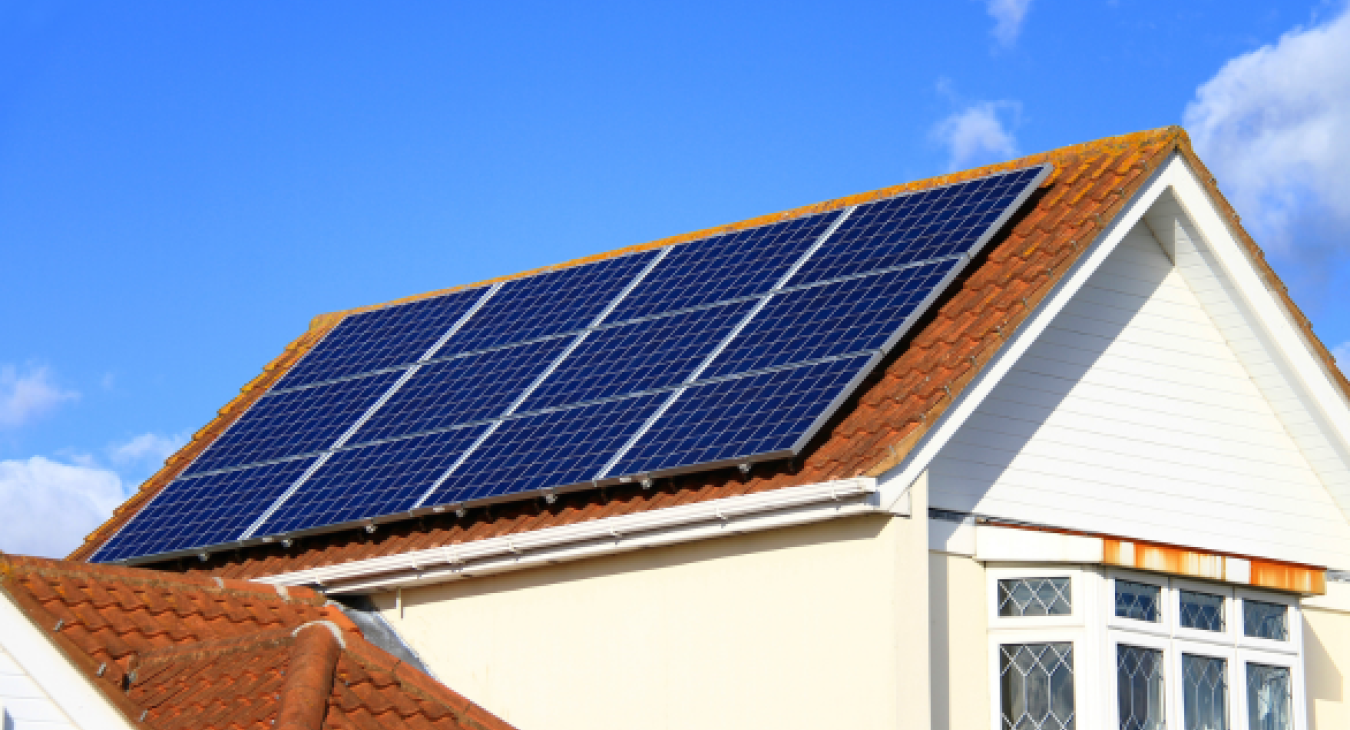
pixel 606 536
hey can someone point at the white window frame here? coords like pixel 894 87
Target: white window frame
pixel 1162 627
pixel 1096 633
pixel 1227 637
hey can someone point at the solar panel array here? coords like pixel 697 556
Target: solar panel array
pixel 724 350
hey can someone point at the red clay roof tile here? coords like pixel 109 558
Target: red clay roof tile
pixel 236 659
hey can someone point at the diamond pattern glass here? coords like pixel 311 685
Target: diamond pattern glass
pixel 1139 601
pixel 1140 688
pixel 1202 611
pixel 1036 686
pixel 1269 698
pixel 1034 597
pixel 1265 620
pixel 1204 692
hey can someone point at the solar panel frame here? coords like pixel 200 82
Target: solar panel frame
pixel 604 476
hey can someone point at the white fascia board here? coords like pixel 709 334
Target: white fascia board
pixel 667 526
pixel 895 483
pixel 82 702
pixel 1324 393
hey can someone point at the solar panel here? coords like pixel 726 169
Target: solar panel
pixel 853 315
pixel 723 267
pixel 727 349
pixel 728 421
pixel 642 355
pixel 293 422
pixel 381 338
pixel 547 304
pixel 549 449
pixel 203 511
pixel 462 390
pixel 371 481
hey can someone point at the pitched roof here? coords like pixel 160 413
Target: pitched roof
pixel 180 651
pixel 1090 185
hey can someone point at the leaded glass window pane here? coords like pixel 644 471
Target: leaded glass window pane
pixel 1202 611
pixel 1034 597
pixel 1268 698
pixel 1139 688
pixel 1265 620
pixel 1139 601
pixel 1036 684
pixel 1204 692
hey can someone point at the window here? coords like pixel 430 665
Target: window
pixel 1115 649
pixel 1202 611
pixel 1265 620
pixel 1268 698
pixel 1204 692
pixel 1139 688
pixel 1139 601
pixel 1036 686
pixel 1034 597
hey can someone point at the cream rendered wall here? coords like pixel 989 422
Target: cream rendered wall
pixel 23 704
pixel 1326 651
pixel 1131 415
pixel 806 627
pixel 960 646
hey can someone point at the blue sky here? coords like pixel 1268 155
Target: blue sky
pixel 183 186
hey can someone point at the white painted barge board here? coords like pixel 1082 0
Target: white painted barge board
pixel 1133 415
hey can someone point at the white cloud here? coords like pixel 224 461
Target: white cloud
pixel 1274 126
pixel 1342 355
pixel 978 133
pixel 28 395
pixel 49 507
pixel 1008 16
pixel 146 448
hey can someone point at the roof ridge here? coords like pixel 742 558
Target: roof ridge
pixel 19 565
pixel 421 686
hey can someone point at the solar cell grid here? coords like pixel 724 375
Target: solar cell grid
pixel 790 361
pixel 203 511
pixel 294 422
pixel 461 390
pixel 729 266
pixel 382 338
pixel 740 418
pixel 371 481
pixel 916 227
pixel 547 450
pixel 642 355
pixel 547 304
pixel 829 320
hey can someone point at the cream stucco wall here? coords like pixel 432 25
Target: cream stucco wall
pixel 1326 650
pixel 805 627
pixel 960 649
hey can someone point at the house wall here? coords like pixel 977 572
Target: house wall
pixel 1326 647
pixel 959 646
pixel 23 704
pixel 802 627
pixel 1131 415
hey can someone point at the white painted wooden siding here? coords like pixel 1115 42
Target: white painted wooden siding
pixel 26 706
pixel 1133 416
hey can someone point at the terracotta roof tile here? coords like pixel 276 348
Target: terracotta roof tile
pixel 1089 186
pixel 183 651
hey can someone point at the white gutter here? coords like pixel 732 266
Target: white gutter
pixel 667 526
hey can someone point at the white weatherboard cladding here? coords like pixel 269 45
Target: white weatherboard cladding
pixel 1132 415
pixel 25 706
